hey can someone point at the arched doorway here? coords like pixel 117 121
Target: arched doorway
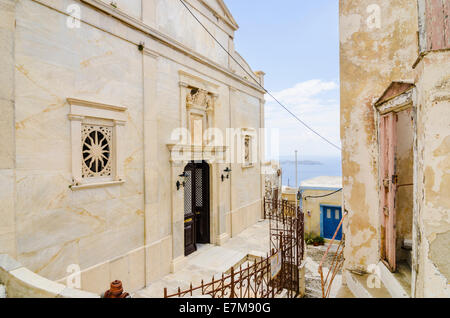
pixel 196 206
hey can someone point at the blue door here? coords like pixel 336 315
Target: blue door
pixel 331 217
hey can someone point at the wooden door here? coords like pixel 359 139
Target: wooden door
pixel 201 203
pixel 388 188
pixel 189 215
pixel 196 206
pixel 332 216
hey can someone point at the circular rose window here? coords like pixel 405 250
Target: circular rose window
pixel 96 151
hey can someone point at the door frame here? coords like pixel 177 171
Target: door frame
pixel 180 156
pixel 206 176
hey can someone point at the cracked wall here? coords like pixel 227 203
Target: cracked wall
pixel 433 175
pixel 378 45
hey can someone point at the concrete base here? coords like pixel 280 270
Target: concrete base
pixel 344 292
pixel 178 264
pixel 390 281
pixel 222 239
pixel 359 286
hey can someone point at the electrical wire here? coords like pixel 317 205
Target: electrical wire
pixel 259 84
pixel 321 196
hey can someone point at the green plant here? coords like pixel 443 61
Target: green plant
pixel 309 239
pixel 314 239
pixel 319 239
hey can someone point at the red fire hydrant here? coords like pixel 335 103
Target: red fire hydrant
pixel 116 291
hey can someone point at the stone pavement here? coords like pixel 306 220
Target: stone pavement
pixel 313 258
pixel 211 260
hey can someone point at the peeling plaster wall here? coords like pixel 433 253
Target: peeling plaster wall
pixel 433 175
pixel 376 49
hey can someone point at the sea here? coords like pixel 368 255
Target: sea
pixel 309 167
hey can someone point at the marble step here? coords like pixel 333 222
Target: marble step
pixel 363 286
pixel 399 283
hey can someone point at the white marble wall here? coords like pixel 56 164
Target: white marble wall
pixel 118 232
pixel 7 147
pixel 55 225
pixel 170 15
pixel 130 7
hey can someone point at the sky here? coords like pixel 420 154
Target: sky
pixel 296 43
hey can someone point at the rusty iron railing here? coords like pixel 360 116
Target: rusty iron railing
pixel 252 281
pixel 337 263
pixel 286 226
pixel 255 280
pixel 286 221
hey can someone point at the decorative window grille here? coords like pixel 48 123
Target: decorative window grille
pixel 199 188
pixel 97 132
pixel 188 194
pixel 97 151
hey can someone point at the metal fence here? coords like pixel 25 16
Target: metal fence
pixel 276 275
pixel 336 265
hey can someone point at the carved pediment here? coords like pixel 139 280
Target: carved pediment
pixel 200 99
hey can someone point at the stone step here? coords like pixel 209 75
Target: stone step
pixel 313 293
pixel 398 283
pixel 344 292
pixel 366 286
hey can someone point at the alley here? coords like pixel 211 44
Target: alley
pixel 211 260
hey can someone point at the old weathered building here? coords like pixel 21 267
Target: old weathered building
pixel 395 131
pixel 321 201
pixel 105 105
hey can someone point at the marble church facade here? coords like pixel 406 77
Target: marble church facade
pixel 103 106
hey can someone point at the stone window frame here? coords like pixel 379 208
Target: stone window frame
pixel 188 82
pixel 97 114
pixel 248 133
pixel 202 110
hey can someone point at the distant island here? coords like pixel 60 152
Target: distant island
pixel 302 163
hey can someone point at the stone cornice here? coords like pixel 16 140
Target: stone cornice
pixel 229 20
pixel 79 102
pixel 398 102
pixel 187 153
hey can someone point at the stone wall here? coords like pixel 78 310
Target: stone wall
pixel 433 176
pixel 378 44
pixel 123 231
pixel 17 281
pixel 372 56
pixel 7 131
